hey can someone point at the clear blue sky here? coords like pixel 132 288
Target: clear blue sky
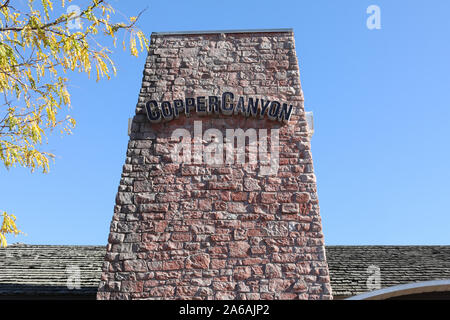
pixel 381 100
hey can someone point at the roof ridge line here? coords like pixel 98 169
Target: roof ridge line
pixel 169 33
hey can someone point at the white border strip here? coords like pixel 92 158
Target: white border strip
pixel 405 289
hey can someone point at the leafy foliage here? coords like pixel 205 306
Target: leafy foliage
pixel 8 226
pixel 38 48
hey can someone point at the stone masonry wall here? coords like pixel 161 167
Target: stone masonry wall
pixel 187 231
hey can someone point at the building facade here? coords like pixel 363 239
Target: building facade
pixel 218 196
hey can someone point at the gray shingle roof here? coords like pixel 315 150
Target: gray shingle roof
pixel 398 265
pixel 36 269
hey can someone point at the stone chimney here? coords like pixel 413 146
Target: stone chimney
pixel 197 216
